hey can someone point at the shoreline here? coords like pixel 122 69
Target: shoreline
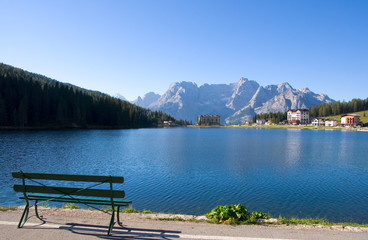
pixel 275 126
pixel 303 127
pixel 85 224
pixel 151 216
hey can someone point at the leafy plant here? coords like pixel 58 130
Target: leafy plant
pixel 260 215
pixel 230 214
pixel 235 214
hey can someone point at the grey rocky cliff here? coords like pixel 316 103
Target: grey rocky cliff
pixel 235 102
pixel 147 99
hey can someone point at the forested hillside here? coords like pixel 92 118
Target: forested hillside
pixel 274 117
pixel 337 108
pixel 32 100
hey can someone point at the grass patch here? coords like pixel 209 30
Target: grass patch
pixel 172 219
pixel 2 208
pixel 129 210
pixel 363 116
pixel 70 206
pixel 305 221
pixel 238 214
pixel 315 221
pixel 353 224
pixel 125 210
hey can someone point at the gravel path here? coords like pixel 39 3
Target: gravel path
pixel 87 224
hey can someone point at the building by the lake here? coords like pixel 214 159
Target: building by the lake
pixel 299 116
pixel 209 120
pixel 330 122
pixel 350 119
pixel 261 121
pixel 318 122
pixel 248 122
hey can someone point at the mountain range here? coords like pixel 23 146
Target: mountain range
pixel 234 103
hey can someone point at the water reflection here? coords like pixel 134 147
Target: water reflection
pixel 292 147
pixel 289 172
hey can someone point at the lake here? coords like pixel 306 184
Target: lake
pixel 301 173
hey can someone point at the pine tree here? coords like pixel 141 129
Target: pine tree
pixel 3 114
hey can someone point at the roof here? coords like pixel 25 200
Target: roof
pixel 352 115
pixel 301 109
pixel 209 116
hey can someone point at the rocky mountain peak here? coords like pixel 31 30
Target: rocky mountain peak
pixel 182 85
pixel 305 90
pixel 235 102
pixel 243 91
pixel 147 99
pixel 283 87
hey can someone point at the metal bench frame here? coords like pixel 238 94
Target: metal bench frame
pixel 113 198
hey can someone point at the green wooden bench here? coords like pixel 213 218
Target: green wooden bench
pixel 38 190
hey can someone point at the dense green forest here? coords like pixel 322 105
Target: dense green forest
pixel 336 108
pixel 30 100
pixel 274 117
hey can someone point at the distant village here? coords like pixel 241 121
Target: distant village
pixel 294 117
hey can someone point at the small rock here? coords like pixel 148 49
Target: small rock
pixel 352 229
pixel 340 228
pixel 270 220
pixel 200 218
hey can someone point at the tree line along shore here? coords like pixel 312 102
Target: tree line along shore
pixel 33 101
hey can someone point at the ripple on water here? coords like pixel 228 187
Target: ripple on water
pixel 292 173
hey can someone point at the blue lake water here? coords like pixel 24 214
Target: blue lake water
pixel 302 173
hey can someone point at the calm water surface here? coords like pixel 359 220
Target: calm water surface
pixel 302 173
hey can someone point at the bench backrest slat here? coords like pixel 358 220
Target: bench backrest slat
pixel 68 177
pixel 70 191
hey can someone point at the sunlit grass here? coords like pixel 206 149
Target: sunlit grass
pixel 2 208
pixel 363 116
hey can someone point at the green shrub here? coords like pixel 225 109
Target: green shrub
pixel 260 215
pixel 229 214
pixel 254 216
pixel 235 214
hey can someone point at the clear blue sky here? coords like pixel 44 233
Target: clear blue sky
pixel 133 47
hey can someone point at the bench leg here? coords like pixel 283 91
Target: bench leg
pixel 111 221
pixel 38 216
pixel 24 217
pixel 118 218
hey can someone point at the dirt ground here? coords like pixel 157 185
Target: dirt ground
pixel 89 224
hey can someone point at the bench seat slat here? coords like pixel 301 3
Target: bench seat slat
pixel 70 191
pixel 69 177
pixel 117 202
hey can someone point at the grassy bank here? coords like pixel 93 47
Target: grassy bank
pixel 256 219
pixel 297 127
pixel 363 116
pixel 301 127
